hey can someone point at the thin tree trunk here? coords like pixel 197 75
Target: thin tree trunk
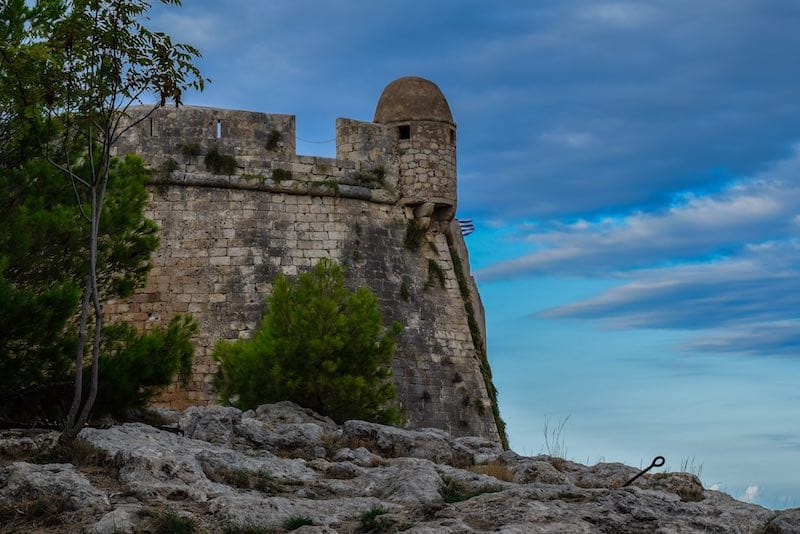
pixel 98 195
pixel 98 321
pixel 69 424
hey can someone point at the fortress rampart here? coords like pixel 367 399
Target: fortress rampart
pixel 383 208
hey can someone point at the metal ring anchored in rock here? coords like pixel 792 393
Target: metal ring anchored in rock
pixel 658 461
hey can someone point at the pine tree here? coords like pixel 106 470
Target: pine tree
pixel 319 345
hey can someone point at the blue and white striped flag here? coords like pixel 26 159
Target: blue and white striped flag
pixel 466 226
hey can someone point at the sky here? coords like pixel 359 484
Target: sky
pixel 633 171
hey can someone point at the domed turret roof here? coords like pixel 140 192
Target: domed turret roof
pixel 412 99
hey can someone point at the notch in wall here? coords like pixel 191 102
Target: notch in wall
pixel 404 131
pixel 219 129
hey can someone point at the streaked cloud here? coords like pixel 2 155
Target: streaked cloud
pixel 694 227
pixel 724 264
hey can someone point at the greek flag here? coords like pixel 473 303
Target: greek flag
pixel 466 226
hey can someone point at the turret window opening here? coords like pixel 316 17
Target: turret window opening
pixel 219 129
pixel 404 131
pixel 452 136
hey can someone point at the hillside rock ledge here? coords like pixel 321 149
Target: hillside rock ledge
pixel 281 466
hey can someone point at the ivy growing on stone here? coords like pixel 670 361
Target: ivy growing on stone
pixel 435 274
pixel 279 175
pixel 219 163
pixel 188 150
pixel 414 235
pixel 477 342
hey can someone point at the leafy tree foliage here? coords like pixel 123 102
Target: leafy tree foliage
pixel 69 71
pixel 319 345
pixel 133 367
pixel 41 269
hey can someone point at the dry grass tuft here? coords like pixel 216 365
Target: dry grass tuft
pixel 494 469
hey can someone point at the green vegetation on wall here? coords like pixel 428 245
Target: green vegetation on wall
pixel 279 175
pixel 477 341
pixel 375 176
pixel 220 163
pixel 414 235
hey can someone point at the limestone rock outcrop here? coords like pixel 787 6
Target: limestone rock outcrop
pixel 281 466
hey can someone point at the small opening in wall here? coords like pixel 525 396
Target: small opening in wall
pixel 152 127
pixel 452 136
pixel 404 131
pixel 219 129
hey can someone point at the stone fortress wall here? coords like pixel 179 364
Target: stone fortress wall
pixel 224 237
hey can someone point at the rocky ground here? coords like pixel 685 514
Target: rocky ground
pixel 283 468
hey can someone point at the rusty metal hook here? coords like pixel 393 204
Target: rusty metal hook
pixel 658 461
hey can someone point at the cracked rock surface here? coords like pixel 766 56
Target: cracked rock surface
pixel 281 466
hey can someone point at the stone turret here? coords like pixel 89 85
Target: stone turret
pixel 420 119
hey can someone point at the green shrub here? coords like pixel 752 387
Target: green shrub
pixel 133 366
pixel 454 491
pixel 318 345
pixel 189 150
pixel 220 163
pixel 42 247
pixel 167 167
pixel 297 521
pixel 369 520
pixel 170 522
pixel 279 175
pixel 374 176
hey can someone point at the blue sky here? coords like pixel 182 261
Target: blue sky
pixel 632 168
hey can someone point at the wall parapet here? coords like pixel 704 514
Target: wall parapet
pixel 261 150
pixel 298 185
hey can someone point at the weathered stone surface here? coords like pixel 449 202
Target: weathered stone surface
pixel 360 456
pixel 19 443
pixel 279 428
pixel 122 520
pixel 531 470
pixel 282 413
pixel 215 424
pixel 22 481
pixel 154 463
pixel 388 441
pixel 256 510
pixel 248 487
pixel 408 481
pixel 785 523
pixel 482 450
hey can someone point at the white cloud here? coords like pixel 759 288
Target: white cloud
pixel 202 31
pixel 726 265
pixel 695 226
pixel 750 494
